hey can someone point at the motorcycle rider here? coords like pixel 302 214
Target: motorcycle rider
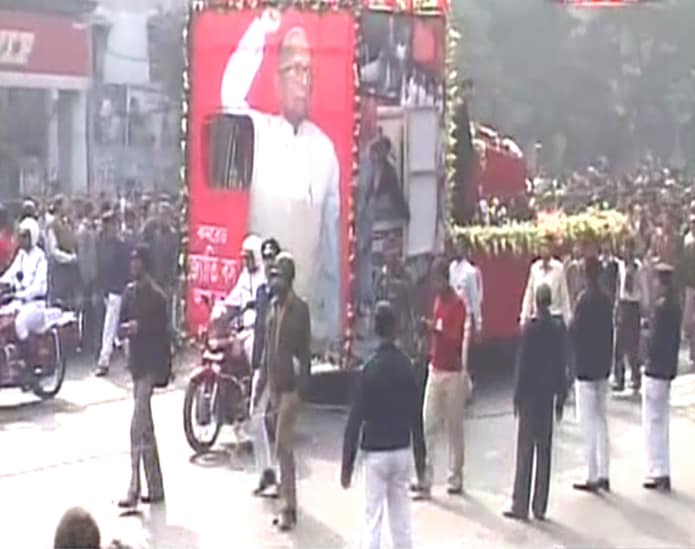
pixel 27 280
pixel 259 405
pixel 242 298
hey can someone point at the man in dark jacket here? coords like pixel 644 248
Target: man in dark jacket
pixel 385 412
pixel 661 369
pixel 144 322
pixel 112 269
pixel 592 341
pixel 259 404
pixel 286 368
pixel 540 382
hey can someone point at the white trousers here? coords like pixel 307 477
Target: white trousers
pixel 593 418
pixel 259 429
pixel 29 319
pixel 108 336
pixel 655 422
pixel 386 481
pixel 443 410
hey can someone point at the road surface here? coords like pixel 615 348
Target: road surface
pixel 74 451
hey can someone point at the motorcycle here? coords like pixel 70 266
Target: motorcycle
pixel 41 367
pixel 219 390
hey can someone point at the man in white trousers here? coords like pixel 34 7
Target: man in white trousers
pixel 113 273
pixel 384 411
pixel 660 370
pixel 265 463
pixel 591 334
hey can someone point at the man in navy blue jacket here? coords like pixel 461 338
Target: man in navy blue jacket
pixel 540 383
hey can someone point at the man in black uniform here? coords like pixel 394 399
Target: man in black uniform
pixel 540 382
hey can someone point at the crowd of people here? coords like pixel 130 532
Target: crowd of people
pixel 79 252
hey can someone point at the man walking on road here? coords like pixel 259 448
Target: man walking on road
pixel 112 268
pixel 661 369
pixel 539 383
pixel 688 269
pixel 145 322
pixel 446 385
pixel 591 333
pixel 381 422
pixel 259 403
pixel 286 368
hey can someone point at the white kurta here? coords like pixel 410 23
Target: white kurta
pixel 30 291
pixel 295 194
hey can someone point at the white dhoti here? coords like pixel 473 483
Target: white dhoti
pixel 591 410
pixel 30 317
pixel 655 422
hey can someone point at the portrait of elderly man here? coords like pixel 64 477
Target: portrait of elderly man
pixel 294 192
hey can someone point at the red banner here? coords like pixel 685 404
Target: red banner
pixel 43 44
pixel 270 151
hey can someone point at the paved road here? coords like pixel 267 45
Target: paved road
pixel 73 451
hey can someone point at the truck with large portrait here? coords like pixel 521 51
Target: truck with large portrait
pixel 322 125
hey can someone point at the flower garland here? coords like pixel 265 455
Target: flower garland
pixel 524 237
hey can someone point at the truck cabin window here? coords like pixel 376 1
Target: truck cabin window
pixel 229 151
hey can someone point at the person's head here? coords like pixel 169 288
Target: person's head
pixel 545 250
pixel 282 274
pixel 461 247
pixel 109 224
pixel 140 261
pixel 130 218
pixel 295 75
pixel 251 253
pixel 269 251
pixel 592 270
pixel 58 206
pixel 385 321
pixel 577 250
pixel 165 214
pixel 543 299
pixel 87 212
pixel 440 276
pixel 29 209
pixel 664 279
pixel 77 530
pixel 28 233
pixel 606 247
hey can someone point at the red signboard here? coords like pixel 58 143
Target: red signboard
pixel 270 151
pixel 43 44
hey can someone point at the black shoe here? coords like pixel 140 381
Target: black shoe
pixel 586 486
pixel 619 387
pixel 604 484
pixel 511 514
pixel 286 521
pixel 148 500
pixel 101 371
pixel 540 517
pixel 130 502
pixel 268 480
pixel 454 490
pixel 663 484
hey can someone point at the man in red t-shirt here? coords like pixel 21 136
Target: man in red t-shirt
pixel 7 246
pixel 446 385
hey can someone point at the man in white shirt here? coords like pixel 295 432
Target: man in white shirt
pixel 295 192
pixel 27 276
pixel 466 280
pixel 547 271
pixel 631 305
